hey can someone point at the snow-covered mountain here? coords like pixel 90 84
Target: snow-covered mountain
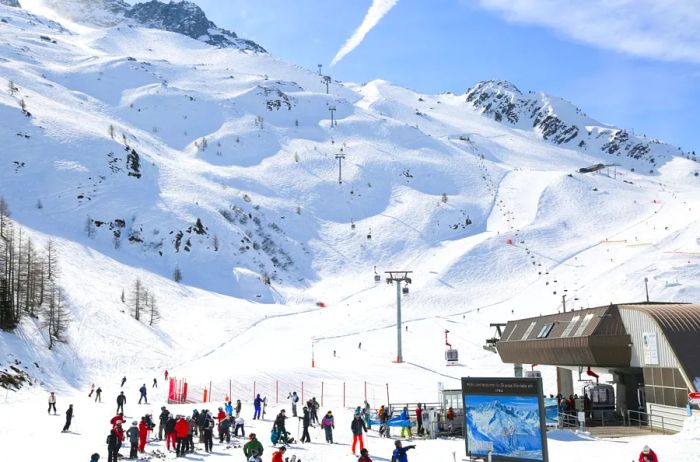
pixel 182 17
pixel 142 152
pixel 512 431
pixel 560 122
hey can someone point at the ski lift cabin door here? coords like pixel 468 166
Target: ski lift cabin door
pixel 452 357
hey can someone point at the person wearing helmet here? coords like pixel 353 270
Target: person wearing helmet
pixel 647 455
pixel 253 446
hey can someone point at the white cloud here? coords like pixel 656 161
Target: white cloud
pixel 659 29
pixel 376 12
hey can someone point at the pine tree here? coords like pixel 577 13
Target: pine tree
pixel 153 311
pixel 177 274
pixel 110 130
pixel 56 317
pixel 12 88
pixel 136 299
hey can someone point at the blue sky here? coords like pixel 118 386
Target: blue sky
pixel 632 63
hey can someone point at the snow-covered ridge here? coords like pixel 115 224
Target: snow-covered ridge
pixel 181 17
pixel 560 122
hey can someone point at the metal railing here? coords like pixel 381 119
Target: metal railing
pixel 654 421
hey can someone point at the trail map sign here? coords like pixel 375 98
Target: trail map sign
pixel 505 416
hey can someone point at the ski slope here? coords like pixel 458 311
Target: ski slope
pixel 266 186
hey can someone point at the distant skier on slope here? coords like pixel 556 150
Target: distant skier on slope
pixel 143 390
pixel 98 395
pixel 52 403
pixel 257 405
pixel 123 382
pixel 69 418
pixel 121 401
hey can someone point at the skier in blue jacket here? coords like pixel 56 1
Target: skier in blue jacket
pixel 257 404
pixel 399 454
pixel 229 409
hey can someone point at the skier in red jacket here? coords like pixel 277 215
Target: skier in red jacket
pixel 143 434
pixel 182 428
pixel 278 456
pixel 647 455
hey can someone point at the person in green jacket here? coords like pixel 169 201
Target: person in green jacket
pixel 253 445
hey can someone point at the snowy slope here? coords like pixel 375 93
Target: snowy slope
pixel 519 226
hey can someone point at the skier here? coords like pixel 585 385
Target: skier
pixel 279 427
pixel 98 395
pixel 359 346
pixel 52 403
pixel 181 430
pixel 162 419
pixel 221 415
pixel 143 391
pixel 419 418
pixel 155 383
pixel 357 426
pixel 278 456
pixel 293 400
pixel 119 418
pixel 229 409
pixel 364 456
pixel 406 423
pixel 92 390
pixel 399 454
pixel 238 408
pixel 366 412
pixel 143 434
pixel 166 375
pixel 328 425
pixel 253 446
pixel 191 425
pixel 170 435
pixel 257 405
pixel 225 430
pixel 647 455
pixel 123 382
pixel 69 418
pixel 240 425
pixel 314 409
pixel 208 433
pixel 133 434
pixel 113 445
pixel 95 457
pixel 306 421
pixel 121 401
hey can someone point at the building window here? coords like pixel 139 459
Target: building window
pixel 546 329
pixel 586 321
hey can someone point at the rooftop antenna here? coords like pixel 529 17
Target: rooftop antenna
pixel 646 287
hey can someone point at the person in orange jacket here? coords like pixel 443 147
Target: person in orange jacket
pixel 143 434
pixel 278 456
pixel 182 428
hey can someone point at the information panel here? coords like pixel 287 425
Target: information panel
pixel 505 416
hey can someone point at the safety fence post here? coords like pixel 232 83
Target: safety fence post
pixel 321 393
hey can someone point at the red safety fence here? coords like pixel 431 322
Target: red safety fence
pixel 177 391
pixel 327 393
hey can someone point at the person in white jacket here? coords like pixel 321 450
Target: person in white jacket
pixel 293 400
pixel 52 403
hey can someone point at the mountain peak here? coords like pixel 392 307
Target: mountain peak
pixel 182 17
pixel 14 3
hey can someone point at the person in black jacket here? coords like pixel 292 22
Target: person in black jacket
pixel 280 426
pixel 357 426
pixel 69 417
pixel 121 401
pixel 113 445
pixel 170 439
pixel 306 422
pixel 208 433
pixel 162 419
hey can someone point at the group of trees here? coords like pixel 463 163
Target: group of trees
pixel 142 304
pixel 28 282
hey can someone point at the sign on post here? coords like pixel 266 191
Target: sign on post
pixel 694 398
pixel 506 417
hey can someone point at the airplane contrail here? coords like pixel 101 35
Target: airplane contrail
pixel 376 12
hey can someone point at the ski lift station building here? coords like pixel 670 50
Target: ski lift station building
pixel 652 351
